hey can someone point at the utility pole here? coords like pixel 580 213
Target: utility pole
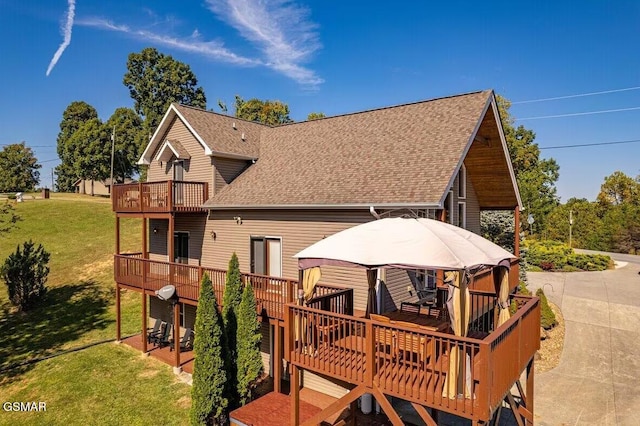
pixel 113 144
pixel 52 181
pixel 570 225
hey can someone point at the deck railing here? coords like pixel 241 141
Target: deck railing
pixel 159 197
pixel 484 280
pixel 413 363
pixel 271 293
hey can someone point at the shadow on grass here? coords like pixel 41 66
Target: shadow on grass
pixel 63 316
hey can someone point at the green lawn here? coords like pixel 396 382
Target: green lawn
pixel 105 382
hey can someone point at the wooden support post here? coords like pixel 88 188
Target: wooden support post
pixel 118 314
pixel 295 396
pixel 145 250
pixel 388 409
pixel 277 354
pixel 143 335
pixel 117 234
pixel 530 379
pixel 370 354
pixel 176 333
pixel 424 415
pixel 353 407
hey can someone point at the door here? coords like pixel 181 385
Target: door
pixel 181 247
pixel 266 256
pixel 178 177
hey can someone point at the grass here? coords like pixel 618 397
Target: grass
pixel 103 384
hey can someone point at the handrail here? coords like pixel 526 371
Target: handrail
pixel 271 292
pixel 159 196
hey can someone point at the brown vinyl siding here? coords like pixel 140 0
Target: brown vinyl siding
pixel 297 229
pixel 331 387
pixel 473 209
pixel 197 169
pixel 193 224
pixel 225 170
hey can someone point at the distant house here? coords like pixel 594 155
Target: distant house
pixel 95 187
pixel 218 185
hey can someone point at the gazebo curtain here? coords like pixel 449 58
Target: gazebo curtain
pixel 372 305
pixel 310 278
pixel 459 312
pixel 503 296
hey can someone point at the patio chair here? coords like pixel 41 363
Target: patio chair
pixel 156 331
pixel 186 344
pixel 164 339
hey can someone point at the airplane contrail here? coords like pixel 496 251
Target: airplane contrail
pixel 66 34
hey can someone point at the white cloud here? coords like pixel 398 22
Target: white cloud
pixel 66 35
pixel 214 50
pixel 280 29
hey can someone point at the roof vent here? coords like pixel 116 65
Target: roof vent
pixel 233 124
pixel 243 138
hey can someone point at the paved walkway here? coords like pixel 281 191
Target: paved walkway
pixel 598 379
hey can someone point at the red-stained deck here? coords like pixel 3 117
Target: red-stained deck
pixel 164 354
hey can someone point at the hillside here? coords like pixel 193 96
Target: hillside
pixel 79 309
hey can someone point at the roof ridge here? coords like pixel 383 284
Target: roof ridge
pixel 385 107
pixel 232 117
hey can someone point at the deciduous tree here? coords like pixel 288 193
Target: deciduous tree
pixel 155 80
pixel 208 400
pixel 90 151
pixel 272 113
pixel 315 115
pixel 8 218
pixel 18 168
pixel 127 128
pixel 73 117
pixel 618 188
pixel 587 225
pixel 536 176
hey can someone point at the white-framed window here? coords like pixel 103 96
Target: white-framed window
pixel 462 214
pixel 462 182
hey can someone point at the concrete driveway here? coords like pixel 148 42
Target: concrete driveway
pixel 598 379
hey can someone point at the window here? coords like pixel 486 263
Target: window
pixel 462 182
pixel 462 214
pixel 448 208
pixel 266 256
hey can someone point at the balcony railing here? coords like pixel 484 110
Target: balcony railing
pixel 271 293
pixel 159 197
pixel 413 363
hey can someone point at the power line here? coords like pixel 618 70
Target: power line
pixel 578 95
pixel 590 144
pixel 575 114
pixel 27 145
pixel 48 161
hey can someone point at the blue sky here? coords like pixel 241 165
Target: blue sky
pixel 341 56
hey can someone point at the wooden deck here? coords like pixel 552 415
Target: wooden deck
pixel 145 275
pixel 160 197
pixel 164 354
pixel 413 363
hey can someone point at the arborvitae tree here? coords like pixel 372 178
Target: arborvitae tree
pixel 249 359
pixel 209 403
pixel 231 301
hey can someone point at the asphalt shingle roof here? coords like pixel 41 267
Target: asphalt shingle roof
pixel 398 155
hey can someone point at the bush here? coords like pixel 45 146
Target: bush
pixel 25 274
pixel 547 317
pixel 522 289
pixel 553 255
pixel 534 268
pixel 208 400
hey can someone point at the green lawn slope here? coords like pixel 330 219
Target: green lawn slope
pixel 104 384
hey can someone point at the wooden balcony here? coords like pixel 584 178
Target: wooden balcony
pixel 412 363
pixel 132 271
pixel 159 197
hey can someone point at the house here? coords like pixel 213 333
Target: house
pixel 218 184
pixel 94 187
